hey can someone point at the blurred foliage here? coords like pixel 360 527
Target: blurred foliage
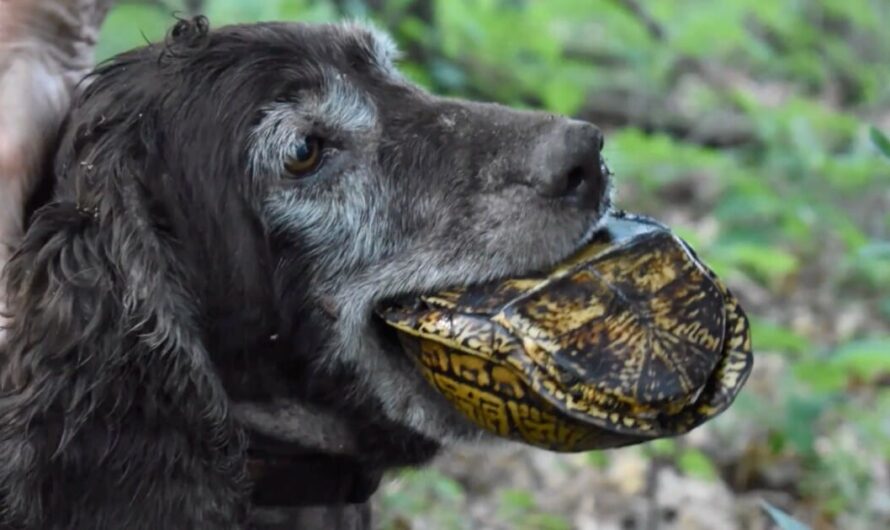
pixel 757 129
pixel 433 496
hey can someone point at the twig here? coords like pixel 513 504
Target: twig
pixel 652 26
pixel 618 108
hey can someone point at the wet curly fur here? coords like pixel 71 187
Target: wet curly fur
pixel 171 267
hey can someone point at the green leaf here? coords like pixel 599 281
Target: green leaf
pixel 517 500
pixel 880 140
pixel 868 358
pixel 782 519
pixel 776 441
pixel 661 447
pixel 515 504
pixel 694 463
pixel 820 375
pixel 597 459
pixel 769 336
pixel 447 488
pixel 766 262
pixel 545 521
pixel 562 96
pixel 802 413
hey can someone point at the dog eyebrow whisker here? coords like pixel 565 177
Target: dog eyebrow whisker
pixel 343 106
pixel 337 104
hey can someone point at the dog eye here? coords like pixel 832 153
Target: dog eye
pixel 305 158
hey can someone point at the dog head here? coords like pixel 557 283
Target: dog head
pixel 299 170
pixel 379 189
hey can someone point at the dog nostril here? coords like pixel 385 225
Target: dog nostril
pixel 572 164
pixel 582 180
pixel 574 180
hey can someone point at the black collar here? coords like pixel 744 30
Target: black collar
pixel 310 480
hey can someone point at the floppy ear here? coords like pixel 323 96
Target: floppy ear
pixel 111 414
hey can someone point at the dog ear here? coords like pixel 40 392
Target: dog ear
pixel 111 413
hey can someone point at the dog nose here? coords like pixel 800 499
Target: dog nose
pixel 573 167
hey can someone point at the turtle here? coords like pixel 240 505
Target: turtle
pixel 630 339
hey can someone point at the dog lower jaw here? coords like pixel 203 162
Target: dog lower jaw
pixel 386 376
pixel 407 398
pixel 383 369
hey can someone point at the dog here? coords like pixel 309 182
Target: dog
pixel 224 213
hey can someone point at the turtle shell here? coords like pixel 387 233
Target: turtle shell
pixel 630 339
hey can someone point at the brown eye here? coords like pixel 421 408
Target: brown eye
pixel 305 158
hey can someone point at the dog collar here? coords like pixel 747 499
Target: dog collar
pixel 310 480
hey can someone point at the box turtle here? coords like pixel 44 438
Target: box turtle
pixel 632 338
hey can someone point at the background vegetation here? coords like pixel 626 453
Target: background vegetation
pixel 752 127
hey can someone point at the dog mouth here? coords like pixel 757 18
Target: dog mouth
pixel 577 342
pixel 387 335
pixel 388 340
pixel 391 342
pixel 605 212
pixel 594 230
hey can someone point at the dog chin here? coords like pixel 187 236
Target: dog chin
pixel 406 397
pixel 395 378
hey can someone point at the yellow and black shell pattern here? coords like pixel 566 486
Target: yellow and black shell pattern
pixel 631 339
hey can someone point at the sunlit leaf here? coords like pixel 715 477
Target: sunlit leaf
pixel 696 464
pixel 820 375
pixel 866 358
pixel 770 336
pixel 597 459
pixel 768 263
pixel 661 447
pixel 562 96
pixel 517 499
